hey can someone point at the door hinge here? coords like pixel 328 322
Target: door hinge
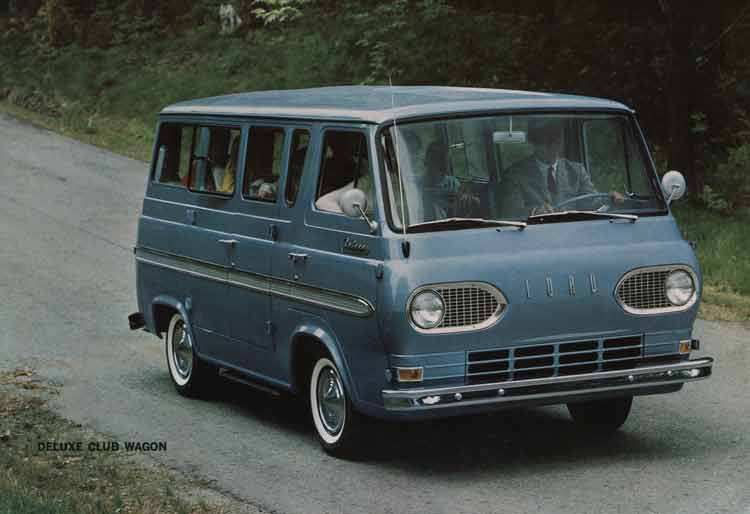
pixel 273 232
pixel 379 271
pixel 269 327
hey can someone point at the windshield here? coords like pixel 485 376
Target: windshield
pixel 515 166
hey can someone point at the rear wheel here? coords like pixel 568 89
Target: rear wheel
pixel 190 375
pixel 337 425
pixel 601 416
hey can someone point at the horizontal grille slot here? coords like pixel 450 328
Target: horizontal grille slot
pixel 488 366
pixel 617 365
pixel 622 341
pixel 534 362
pixel 537 373
pixel 530 351
pixel 575 370
pixel 622 354
pixel 488 355
pixel 579 347
pixel 489 377
pixel 579 357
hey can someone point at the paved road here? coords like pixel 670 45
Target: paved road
pixel 67 226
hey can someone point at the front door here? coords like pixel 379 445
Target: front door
pixel 328 260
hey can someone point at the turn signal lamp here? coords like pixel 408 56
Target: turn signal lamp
pixel 409 374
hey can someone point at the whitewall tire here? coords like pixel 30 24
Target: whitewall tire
pixel 190 375
pixel 337 424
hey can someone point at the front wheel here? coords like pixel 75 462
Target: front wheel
pixel 337 424
pixel 601 416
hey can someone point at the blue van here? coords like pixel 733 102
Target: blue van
pixel 414 252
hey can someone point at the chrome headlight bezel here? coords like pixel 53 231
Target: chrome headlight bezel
pixel 422 302
pixel 679 287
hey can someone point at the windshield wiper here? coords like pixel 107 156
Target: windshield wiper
pixel 464 223
pixel 552 217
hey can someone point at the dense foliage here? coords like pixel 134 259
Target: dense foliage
pixel 684 66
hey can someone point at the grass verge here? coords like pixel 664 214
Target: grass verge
pixel 68 482
pixel 722 241
pixel 130 137
pixel 721 304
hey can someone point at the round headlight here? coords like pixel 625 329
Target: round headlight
pixel 427 309
pixel 679 287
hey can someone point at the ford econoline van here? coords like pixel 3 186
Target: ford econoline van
pixel 416 252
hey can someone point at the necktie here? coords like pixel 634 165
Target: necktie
pixel 551 184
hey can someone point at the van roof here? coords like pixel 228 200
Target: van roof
pixel 378 104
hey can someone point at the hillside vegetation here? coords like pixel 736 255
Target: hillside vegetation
pixel 100 70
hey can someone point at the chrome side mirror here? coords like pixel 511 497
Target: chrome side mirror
pixel 353 203
pixel 673 185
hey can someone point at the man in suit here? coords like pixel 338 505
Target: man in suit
pixel 536 183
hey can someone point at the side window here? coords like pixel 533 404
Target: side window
pixel 172 164
pixel 263 163
pixel 213 165
pixel 345 165
pixel 300 144
pixel 605 154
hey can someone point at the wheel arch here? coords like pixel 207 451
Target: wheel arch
pixel 163 307
pixel 306 342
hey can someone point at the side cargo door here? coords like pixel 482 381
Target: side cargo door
pixel 255 231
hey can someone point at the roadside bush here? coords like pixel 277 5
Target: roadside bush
pixel 33 99
pixel 728 187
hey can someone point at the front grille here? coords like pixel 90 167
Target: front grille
pixel 645 290
pixel 467 305
pixel 554 359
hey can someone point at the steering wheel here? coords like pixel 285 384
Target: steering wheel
pixel 587 196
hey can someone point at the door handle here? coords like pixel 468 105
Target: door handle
pixel 297 257
pixel 230 242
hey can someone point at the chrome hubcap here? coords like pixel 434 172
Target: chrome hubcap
pixel 182 350
pixel 331 405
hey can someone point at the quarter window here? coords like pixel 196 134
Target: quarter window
pixel 172 163
pixel 263 165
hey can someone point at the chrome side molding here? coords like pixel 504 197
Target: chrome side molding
pixel 305 293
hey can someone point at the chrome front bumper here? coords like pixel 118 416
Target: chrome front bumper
pixel 541 389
